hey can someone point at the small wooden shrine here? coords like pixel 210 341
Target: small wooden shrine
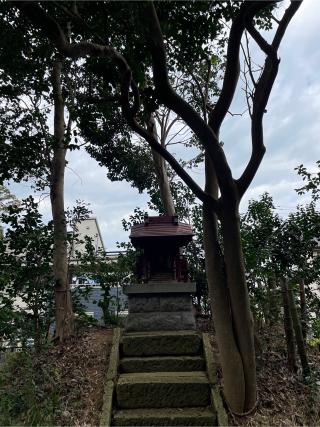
pixel 163 298
pixel 160 240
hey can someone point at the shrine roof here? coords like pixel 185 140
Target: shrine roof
pixel 161 226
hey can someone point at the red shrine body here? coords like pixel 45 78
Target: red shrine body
pixel 160 240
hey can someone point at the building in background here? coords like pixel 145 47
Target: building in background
pixel 87 290
pixel 88 227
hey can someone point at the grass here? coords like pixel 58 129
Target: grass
pixel 29 391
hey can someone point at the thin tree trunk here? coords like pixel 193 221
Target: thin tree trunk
pixel 288 326
pixel 298 334
pixel 63 303
pixel 303 308
pixel 161 173
pixel 273 304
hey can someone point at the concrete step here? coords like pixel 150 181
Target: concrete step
pixel 163 343
pixel 166 417
pixel 162 364
pixel 163 390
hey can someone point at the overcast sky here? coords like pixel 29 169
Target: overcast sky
pixel 291 129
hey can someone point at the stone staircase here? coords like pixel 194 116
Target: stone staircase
pixel 163 380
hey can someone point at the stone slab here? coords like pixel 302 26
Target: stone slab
pixel 160 288
pixel 163 390
pixel 106 413
pixel 222 417
pixel 211 365
pixel 143 303
pixel 162 364
pixel 161 343
pixel 146 303
pixel 160 321
pixel 176 303
pixel 112 372
pixel 165 417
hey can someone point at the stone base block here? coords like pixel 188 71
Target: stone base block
pixel 160 307
pixel 148 303
pixel 160 321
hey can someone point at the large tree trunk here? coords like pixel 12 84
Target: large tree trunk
pixel 63 303
pixel 231 363
pixel 160 169
pixel 229 306
pixel 239 299
pixel 288 326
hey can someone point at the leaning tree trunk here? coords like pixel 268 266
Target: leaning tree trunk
pixel 288 326
pixel 63 303
pixel 161 173
pixel 236 343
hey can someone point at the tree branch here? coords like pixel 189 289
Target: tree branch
pixel 129 114
pixel 231 75
pixel 54 32
pixel 97 99
pixel 260 100
pixel 173 101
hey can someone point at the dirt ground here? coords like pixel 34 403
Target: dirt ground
pixel 84 362
pixel 283 398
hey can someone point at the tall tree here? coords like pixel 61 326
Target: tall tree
pixel 29 150
pixel 225 266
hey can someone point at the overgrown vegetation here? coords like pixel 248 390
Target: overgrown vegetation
pixel 29 390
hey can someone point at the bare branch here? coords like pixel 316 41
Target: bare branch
pixel 231 76
pixel 97 99
pixel 238 114
pixel 260 100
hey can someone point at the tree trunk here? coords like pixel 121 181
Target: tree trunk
pixel 272 302
pixel 234 376
pixel 303 308
pixel 298 334
pixel 239 300
pixel 288 326
pixel 231 364
pixel 63 303
pixel 160 169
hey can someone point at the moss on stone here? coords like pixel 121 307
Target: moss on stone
pixel 162 364
pixel 210 363
pixel 222 417
pixel 163 389
pixel 106 413
pixel 112 372
pixel 166 417
pixel 161 343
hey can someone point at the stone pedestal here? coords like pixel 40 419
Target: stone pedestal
pixel 160 307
